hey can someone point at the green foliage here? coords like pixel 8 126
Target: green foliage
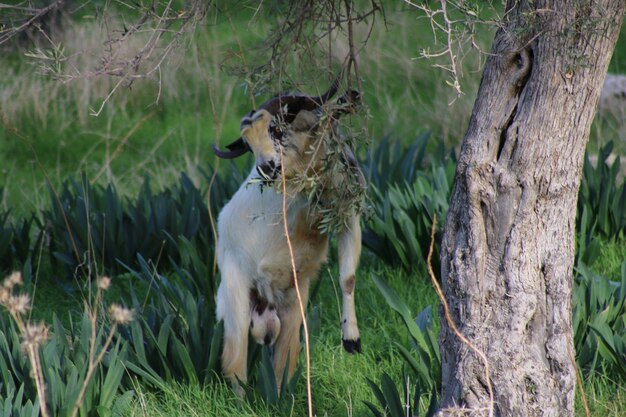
pixel 65 361
pixel 599 323
pixel 422 359
pixel 393 405
pixel 426 364
pixel 603 197
pixel 392 162
pixel 94 228
pixel 176 337
pixel 17 240
pixel 264 387
pixel 405 200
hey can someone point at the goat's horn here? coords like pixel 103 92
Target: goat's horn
pixel 332 90
pixel 298 102
pixel 237 148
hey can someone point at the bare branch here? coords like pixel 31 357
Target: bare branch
pixel 30 15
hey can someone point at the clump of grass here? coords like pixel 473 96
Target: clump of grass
pixel 35 335
pixel 606 397
pixel 613 255
pixel 178 400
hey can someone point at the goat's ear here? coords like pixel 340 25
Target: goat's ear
pixel 235 149
pixel 304 121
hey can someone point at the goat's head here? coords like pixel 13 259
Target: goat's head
pixel 286 123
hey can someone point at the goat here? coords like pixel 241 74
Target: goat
pixel 257 287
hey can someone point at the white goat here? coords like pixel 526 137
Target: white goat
pixel 257 287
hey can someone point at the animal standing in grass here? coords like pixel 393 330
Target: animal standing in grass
pixel 290 136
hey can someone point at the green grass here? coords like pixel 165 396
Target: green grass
pixel 612 256
pixel 338 379
pixel 605 398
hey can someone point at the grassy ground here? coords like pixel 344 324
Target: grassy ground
pixel 338 379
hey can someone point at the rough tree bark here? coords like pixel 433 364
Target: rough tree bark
pixel 508 248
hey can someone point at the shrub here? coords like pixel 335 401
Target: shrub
pixel 17 241
pixel 176 337
pixel 93 228
pixel 392 162
pixel 422 358
pixel 599 322
pixel 409 186
pixel 603 196
pixel 64 360
pixel 394 405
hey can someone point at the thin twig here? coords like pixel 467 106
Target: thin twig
pixel 579 382
pixel 297 287
pixel 216 166
pixel 92 366
pixel 123 143
pixel 35 363
pixel 450 322
pixel 5 35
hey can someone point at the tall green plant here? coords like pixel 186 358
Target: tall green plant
pixel 423 356
pixel 393 404
pixel 176 337
pixel 603 196
pixel 17 240
pixel 95 229
pixel 65 362
pixel 599 323
pixel 399 230
pixel 392 162
pixel 422 359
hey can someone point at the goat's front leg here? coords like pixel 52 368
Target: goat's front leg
pixel 288 342
pixel 349 246
pixel 233 306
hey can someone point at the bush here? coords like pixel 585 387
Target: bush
pixel 392 162
pixel 17 242
pixel 93 228
pixel 422 358
pixel 599 323
pixel 406 198
pixel 176 337
pixel 65 361
pixel 603 196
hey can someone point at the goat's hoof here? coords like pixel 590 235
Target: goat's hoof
pixel 352 346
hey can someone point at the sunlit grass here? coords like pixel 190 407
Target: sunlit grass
pixel 613 255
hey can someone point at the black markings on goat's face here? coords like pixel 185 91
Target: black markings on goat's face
pixel 255 129
pixel 268 135
pixel 277 131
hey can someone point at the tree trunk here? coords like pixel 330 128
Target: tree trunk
pixel 508 248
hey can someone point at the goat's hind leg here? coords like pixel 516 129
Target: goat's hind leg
pixel 288 342
pixel 349 247
pixel 233 306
